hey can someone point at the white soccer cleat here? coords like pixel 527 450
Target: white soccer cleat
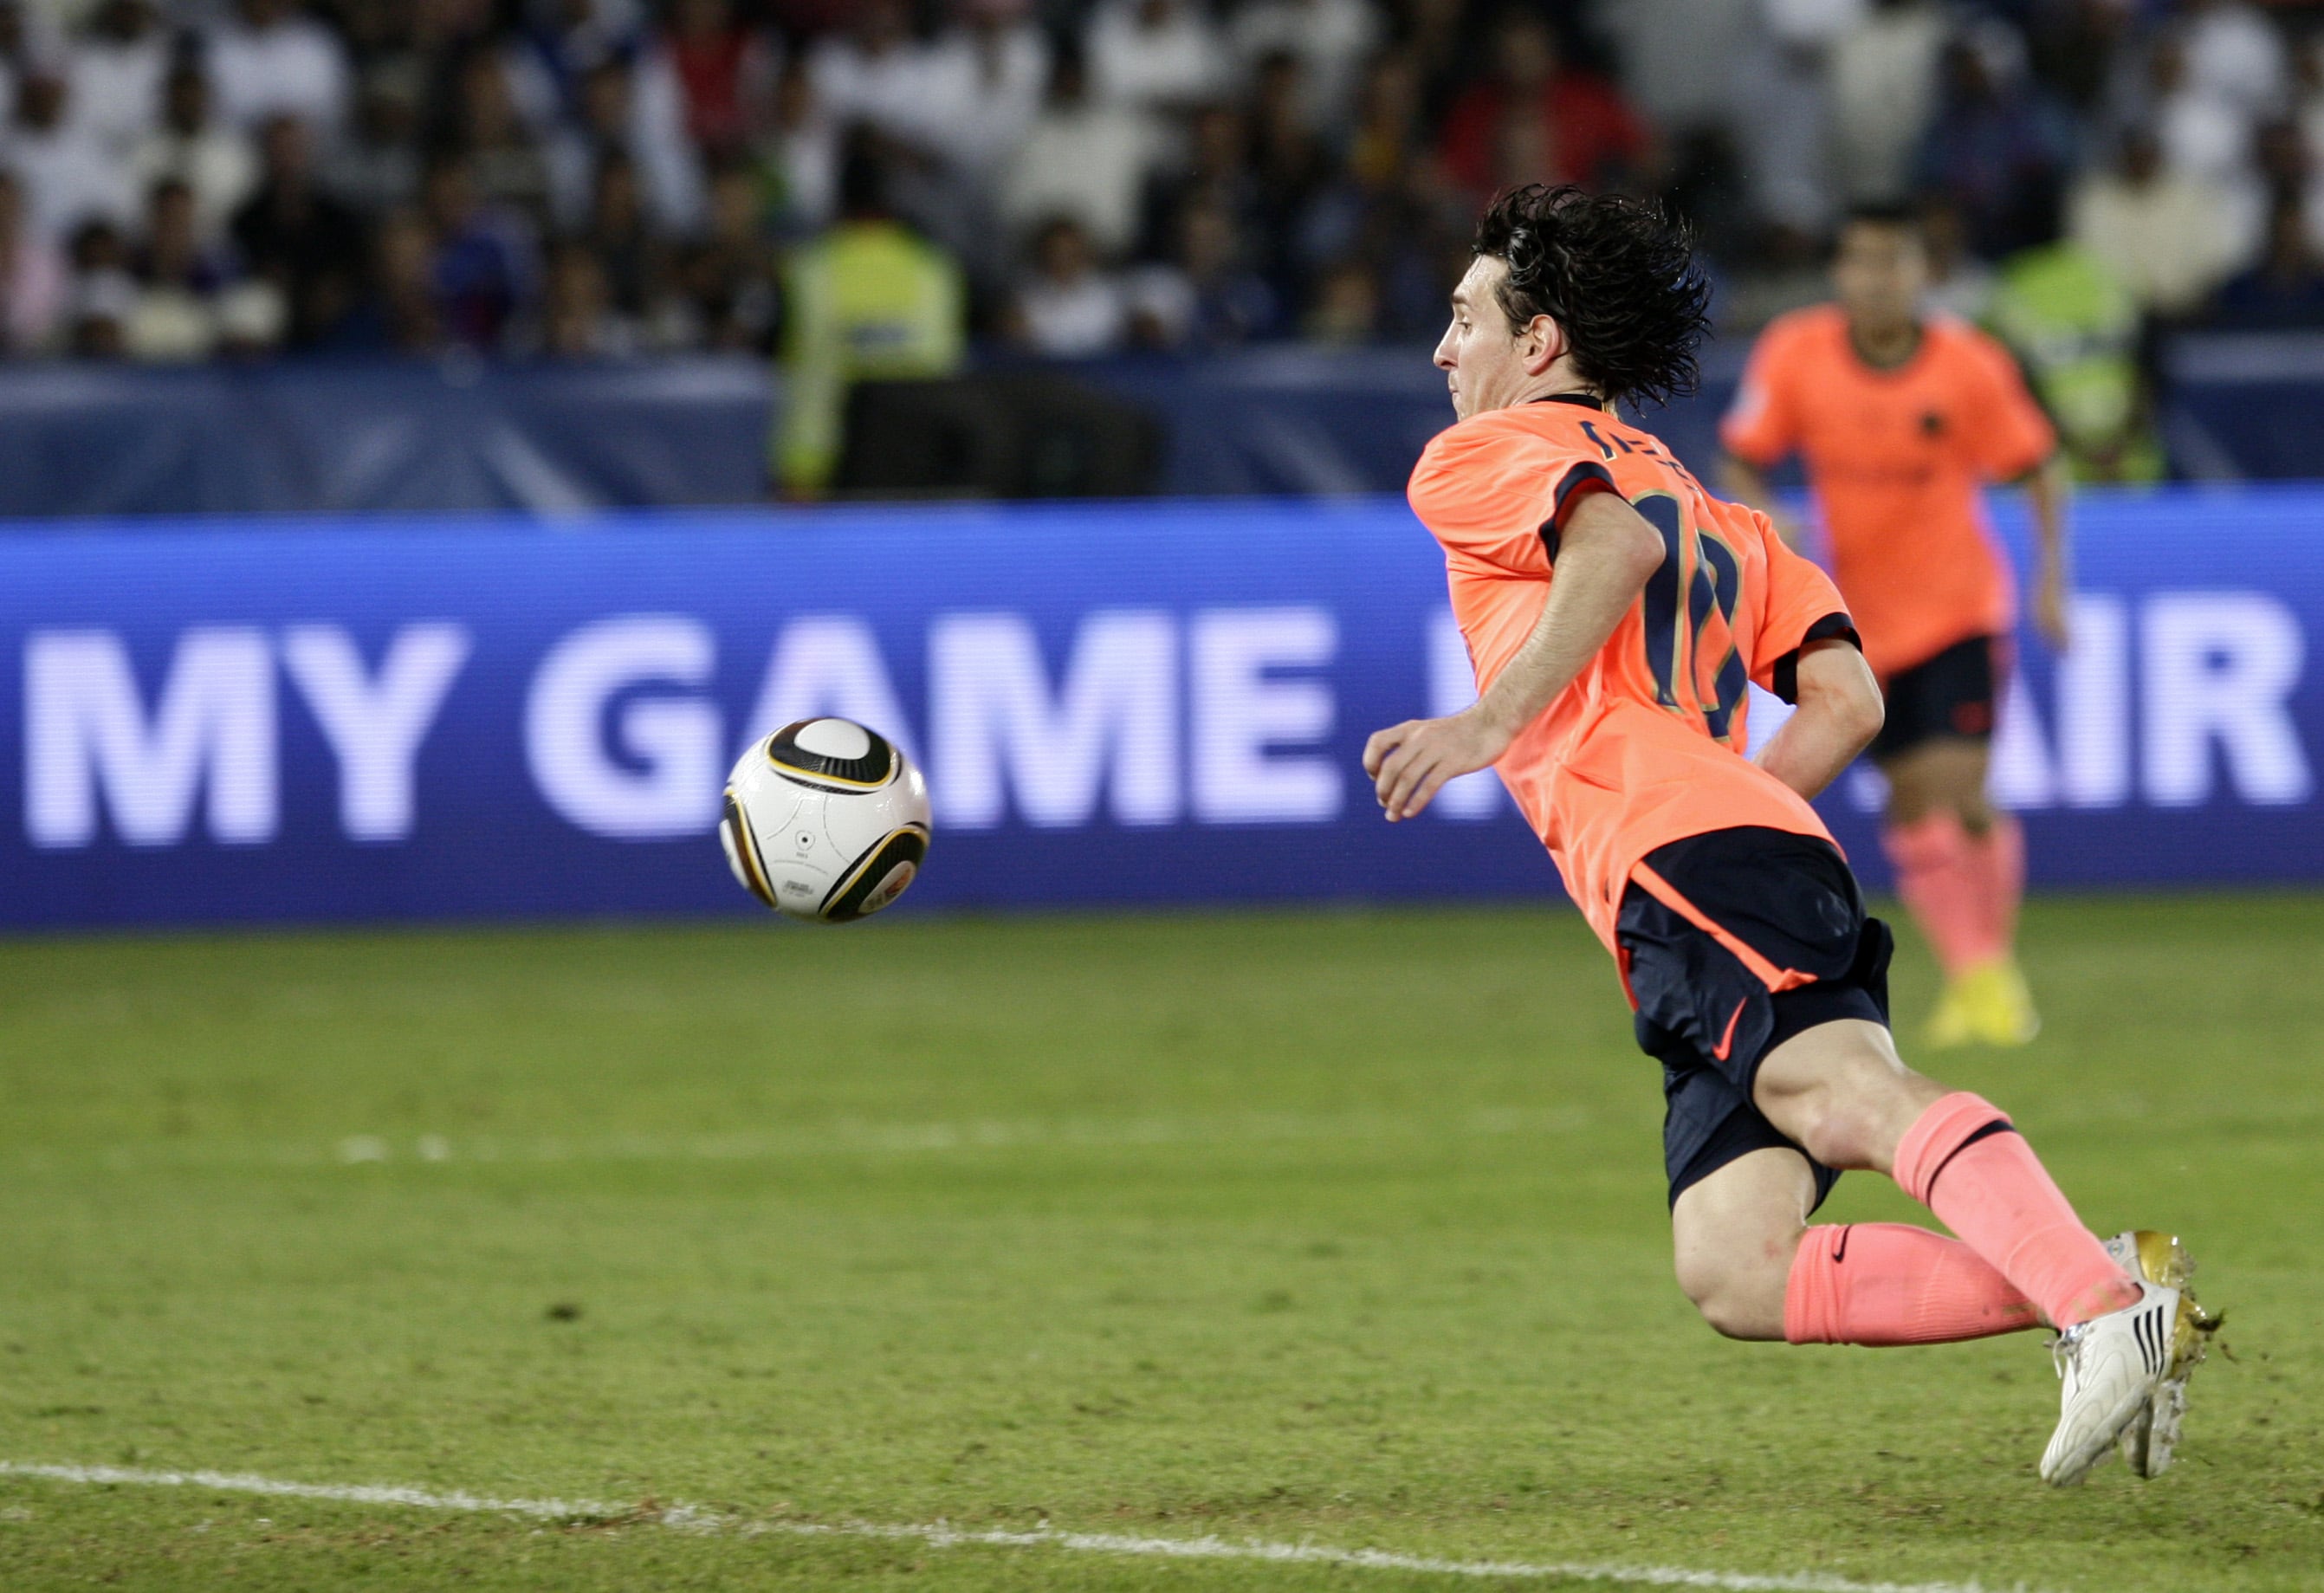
pixel 2149 1441
pixel 2111 1366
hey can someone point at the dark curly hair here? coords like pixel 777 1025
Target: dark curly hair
pixel 1616 272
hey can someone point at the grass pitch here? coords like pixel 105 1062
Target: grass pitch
pixel 1338 1229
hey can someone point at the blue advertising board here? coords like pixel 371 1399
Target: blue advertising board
pixel 304 721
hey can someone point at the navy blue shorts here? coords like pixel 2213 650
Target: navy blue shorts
pixel 1950 694
pixel 1708 1012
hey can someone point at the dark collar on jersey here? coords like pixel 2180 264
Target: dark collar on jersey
pixel 1588 401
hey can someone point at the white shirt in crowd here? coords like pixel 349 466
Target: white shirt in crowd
pixel 669 170
pixel 117 87
pixel 1884 80
pixel 217 163
pixel 2204 137
pixel 807 159
pixel 1088 161
pixel 1811 24
pixel 58 18
pixel 666 157
pixel 983 92
pixel 294 67
pixel 2235 55
pixel 1682 60
pixel 170 325
pixel 2170 239
pixel 889 90
pixel 1164 298
pixel 47 26
pixel 1331 39
pixel 1075 319
pixel 69 178
pixel 1154 52
pixel 1781 109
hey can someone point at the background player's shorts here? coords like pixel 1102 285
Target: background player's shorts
pixel 1709 1018
pixel 1951 694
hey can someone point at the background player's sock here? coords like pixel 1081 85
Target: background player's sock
pixel 1941 886
pixel 1996 861
pixel 1964 1161
pixel 1884 1283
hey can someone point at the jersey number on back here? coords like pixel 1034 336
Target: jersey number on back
pixel 1681 637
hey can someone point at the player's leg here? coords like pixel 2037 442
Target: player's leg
pixel 1960 869
pixel 1841 1091
pixel 1742 1192
pixel 1941 775
pixel 1753 1266
pixel 1959 861
pixel 1761 986
pixel 1733 1235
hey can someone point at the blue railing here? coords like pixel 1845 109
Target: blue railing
pixel 461 435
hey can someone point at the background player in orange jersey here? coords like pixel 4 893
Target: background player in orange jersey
pixel 1902 421
pixel 1614 611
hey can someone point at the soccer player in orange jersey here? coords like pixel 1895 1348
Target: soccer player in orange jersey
pixel 1902 419
pixel 1614 610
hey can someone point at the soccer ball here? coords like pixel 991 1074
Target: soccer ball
pixel 824 821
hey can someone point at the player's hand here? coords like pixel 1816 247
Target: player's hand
pixel 2050 613
pixel 1410 762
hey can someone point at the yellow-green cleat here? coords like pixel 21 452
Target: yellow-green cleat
pixel 2000 1007
pixel 1948 1024
pixel 1987 1005
pixel 2148 1444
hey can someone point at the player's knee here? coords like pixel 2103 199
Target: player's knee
pixel 1974 809
pixel 1955 781
pixel 1837 1127
pixel 1728 1315
pixel 1910 798
pixel 1705 1285
pixel 1854 1119
pixel 1731 1293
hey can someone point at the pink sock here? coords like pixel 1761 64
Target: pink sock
pixel 1964 1161
pixel 1939 878
pixel 1884 1283
pixel 1996 861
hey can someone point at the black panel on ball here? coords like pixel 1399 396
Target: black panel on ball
pixel 876 767
pixel 746 848
pixel 846 902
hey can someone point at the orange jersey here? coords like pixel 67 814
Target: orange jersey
pixel 1897 460
pixel 1645 746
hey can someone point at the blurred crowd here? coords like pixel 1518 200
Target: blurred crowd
pixel 594 178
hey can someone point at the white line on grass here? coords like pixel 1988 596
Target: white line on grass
pixel 691 1518
pixel 845 1137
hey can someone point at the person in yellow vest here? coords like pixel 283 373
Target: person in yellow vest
pixel 870 300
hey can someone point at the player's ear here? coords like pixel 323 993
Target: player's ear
pixel 1545 342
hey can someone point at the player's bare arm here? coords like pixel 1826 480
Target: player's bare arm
pixel 2046 492
pixel 1605 555
pixel 1840 712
